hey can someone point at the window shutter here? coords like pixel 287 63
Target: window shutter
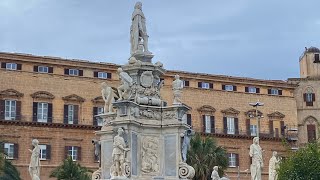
pixel 80 72
pixel 76 114
pixel 2 109
pixel 236 125
pixel 65 114
pixel 189 120
pixel 18 110
pixel 246 89
pixel 282 127
pixel 204 123
pixel 3 65
pixel 66 71
pixel 35 112
pixel 35 68
pixel 234 88
pixel 50 113
pixel 109 75
pixel 199 84
pixel 248 127
pixel 79 154
pixel 225 125
pixel 237 159
pixel 280 92
pixel 66 151
pixel 48 156
pixel 186 83
pixel 16 151
pixel 313 97
pixel 316 58
pixel 212 124
pixel 311 130
pixel 19 66
pixel 211 85
pixel 258 90
pixel 50 69
pixel 223 87
pixel 269 91
pixel 95 112
pixel 271 128
pixel 95 74
pixel 305 97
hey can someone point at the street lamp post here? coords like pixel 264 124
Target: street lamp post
pixel 255 105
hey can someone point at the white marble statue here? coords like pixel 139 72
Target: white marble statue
pixel 118 155
pixel 186 136
pixel 34 166
pixel 257 160
pixel 138 30
pixel 108 97
pixel 273 165
pixel 177 86
pixel 97 149
pixel 215 174
pixel 126 83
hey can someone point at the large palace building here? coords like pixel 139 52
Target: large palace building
pixel 55 100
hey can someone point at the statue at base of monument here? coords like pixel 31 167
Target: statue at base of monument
pixel 125 88
pixel 215 174
pixel 34 166
pixel 273 166
pixel 138 31
pixel 186 137
pixel 108 97
pixel 118 156
pixel 257 160
pixel 177 86
pixel 97 150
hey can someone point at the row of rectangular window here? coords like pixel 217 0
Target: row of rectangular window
pixel 42 112
pixel 12 151
pixel 47 69
pixel 228 87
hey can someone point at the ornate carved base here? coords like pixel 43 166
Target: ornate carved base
pixel 185 171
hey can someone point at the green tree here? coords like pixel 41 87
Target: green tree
pixel 71 170
pixel 301 165
pixel 7 170
pixel 204 154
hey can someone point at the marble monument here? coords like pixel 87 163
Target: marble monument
pixel 143 138
pixel 273 165
pixel 257 160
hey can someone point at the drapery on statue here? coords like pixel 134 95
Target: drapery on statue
pixel 273 165
pixel 138 30
pixel 177 86
pixel 125 87
pixel 97 149
pixel 108 97
pixel 118 155
pixel 186 136
pixel 215 174
pixel 34 166
pixel 257 160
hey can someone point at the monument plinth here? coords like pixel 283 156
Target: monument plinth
pixel 143 138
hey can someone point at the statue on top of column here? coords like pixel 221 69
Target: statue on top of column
pixel 138 31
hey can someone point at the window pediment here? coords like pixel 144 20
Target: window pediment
pixel 11 93
pixel 42 95
pixel 206 109
pixel 98 99
pixel 230 111
pixel 276 115
pixel 252 113
pixel 73 97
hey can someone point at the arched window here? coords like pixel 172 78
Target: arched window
pixel 309 96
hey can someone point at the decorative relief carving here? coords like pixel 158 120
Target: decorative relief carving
pixel 206 109
pixel 42 95
pixel 11 93
pixel 230 111
pixel 150 155
pixel 150 114
pixel 169 115
pixel 146 79
pixel 73 97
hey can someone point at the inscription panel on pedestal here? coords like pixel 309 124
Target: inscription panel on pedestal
pixel 134 155
pixel 170 148
pixel 106 152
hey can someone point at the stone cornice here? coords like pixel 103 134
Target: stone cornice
pixel 230 111
pixel 240 136
pixel 74 97
pixel 206 109
pixel 50 125
pixel 10 93
pixel 276 115
pixel 98 99
pixel 42 95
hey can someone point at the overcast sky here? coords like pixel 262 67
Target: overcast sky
pixel 250 38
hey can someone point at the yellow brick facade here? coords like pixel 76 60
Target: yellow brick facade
pixel 58 135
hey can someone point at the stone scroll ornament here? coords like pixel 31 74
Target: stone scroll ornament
pixel 138 31
pixel 34 166
pixel 120 168
pixel 186 171
pixel 97 175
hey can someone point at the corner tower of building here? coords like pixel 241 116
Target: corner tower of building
pixel 310 63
